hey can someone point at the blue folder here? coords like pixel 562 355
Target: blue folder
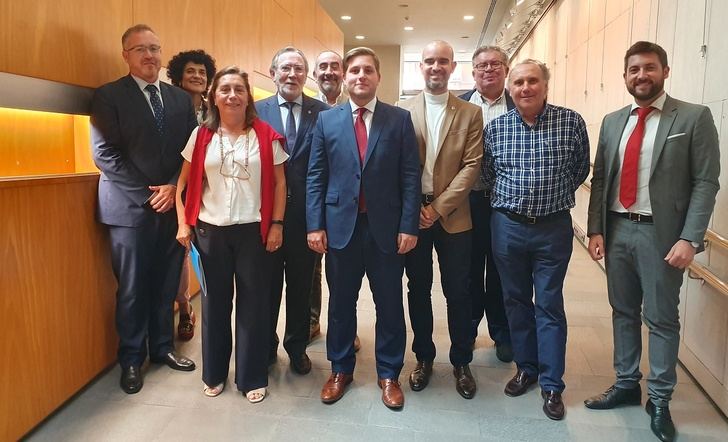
pixel 197 266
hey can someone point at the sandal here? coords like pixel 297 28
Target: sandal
pixel 186 326
pixel 214 391
pixel 257 395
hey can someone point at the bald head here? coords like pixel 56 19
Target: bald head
pixel 437 64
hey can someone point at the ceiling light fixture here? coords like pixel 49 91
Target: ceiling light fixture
pixel 346 17
pixel 359 37
pixel 468 17
pixel 409 28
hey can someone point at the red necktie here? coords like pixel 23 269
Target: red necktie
pixel 630 166
pixel 360 130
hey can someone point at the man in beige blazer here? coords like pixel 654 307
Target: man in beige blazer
pixel 450 137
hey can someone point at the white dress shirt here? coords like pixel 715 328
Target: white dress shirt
pixel 142 84
pixel 367 115
pixel 435 106
pixel 642 205
pixel 296 111
pixel 226 198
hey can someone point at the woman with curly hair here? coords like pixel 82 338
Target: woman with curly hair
pixel 192 71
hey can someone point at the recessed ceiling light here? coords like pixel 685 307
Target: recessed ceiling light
pixel 346 17
pixel 468 17
pixel 409 28
pixel 359 37
pixel 518 2
pixel 462 51
pixel 509 24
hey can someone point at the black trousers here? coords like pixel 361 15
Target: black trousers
pixel 147 261
pixel 296 261
pixel 486 291
pixel 235 254
pixel 316 291
pixel 453 252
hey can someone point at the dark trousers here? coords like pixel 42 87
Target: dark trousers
pixel 642 287
pixel 316 291
pixel 453 253
pixel 533 259
pixel 296 260
pixel 235 254
pixel 345 269
pixel 486 292
pixel 147 261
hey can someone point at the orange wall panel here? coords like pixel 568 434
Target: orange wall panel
pixel 72 41
pixel 235 41
pixel 276 31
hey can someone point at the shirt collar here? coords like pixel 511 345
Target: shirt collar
pixel 143 83
pixel 298 101
pixel 658 103
pixel 440 99
pixel 496 101
pixel 539 117
pixel 369 106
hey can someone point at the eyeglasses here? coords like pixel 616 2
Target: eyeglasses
pixel 482 67
pixel 231 167
pixel 296 68
pixel 141 49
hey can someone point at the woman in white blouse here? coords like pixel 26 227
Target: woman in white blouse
pixel 235 199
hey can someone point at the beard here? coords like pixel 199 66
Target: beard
pixel 435 85
pixel 330 86
pixel 652 92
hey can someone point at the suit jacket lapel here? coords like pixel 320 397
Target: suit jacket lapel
pixel 450 111
pixel 347 126
pixel 139 102
pixel 378 120
pixel 669 112
pixel 420 123
pixel 304 124
pixel 272 113
pixel 611 159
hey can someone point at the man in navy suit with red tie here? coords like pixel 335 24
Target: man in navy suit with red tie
pixel 362 209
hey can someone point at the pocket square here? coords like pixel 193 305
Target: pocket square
pixel 676 135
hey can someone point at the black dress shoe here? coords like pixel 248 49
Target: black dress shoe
pixel 301 364
pixel 131 379
pixel 504 352
pixel 175 362
pixel 660 422
pixel 464 382
pixel 553 406
pixel 420 376
pixel 519 383
pixel 613 397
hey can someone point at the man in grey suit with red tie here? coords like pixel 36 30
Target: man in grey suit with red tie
pixel 139 127
pixel 291 113
pixel 653 191
pixel 362 209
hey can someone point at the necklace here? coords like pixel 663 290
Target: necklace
pixel 241 172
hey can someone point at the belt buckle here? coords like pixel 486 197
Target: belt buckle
pixel 634 217
pixel 530 219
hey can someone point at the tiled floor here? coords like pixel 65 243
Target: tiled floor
pixel 171 405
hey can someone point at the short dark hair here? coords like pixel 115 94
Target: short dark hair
pixel 646 47
pixel 356 52
pixel 176 66
pixel 498 49
pixel 274 60
pixel 212 121
pixel 141 27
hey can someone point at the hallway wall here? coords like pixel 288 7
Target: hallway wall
pixel 583 42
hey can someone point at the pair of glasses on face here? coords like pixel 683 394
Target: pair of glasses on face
pixel 141 49
pixel 295 68
pixel 482 67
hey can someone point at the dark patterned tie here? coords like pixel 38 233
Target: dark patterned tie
pixel 290 126
pixel 156 106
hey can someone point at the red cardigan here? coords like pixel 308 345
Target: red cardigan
pixel 266 135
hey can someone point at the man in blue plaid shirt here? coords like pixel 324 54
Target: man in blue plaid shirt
pixel 536 156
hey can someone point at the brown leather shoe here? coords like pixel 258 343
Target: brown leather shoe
pixel 392 395
pixel 334 388
pixel 464 381
pixel 420 376
pixel 553 406
pixel 519 383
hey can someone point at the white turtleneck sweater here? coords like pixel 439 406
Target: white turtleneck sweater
pixel 435 106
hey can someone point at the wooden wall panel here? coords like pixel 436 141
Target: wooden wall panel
pixel 236 42
pixel 180 24
pixel 276 32
pixel 717 54
pixel 303 31
pixel 56 297
pixel 326 31
pixel 73 41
